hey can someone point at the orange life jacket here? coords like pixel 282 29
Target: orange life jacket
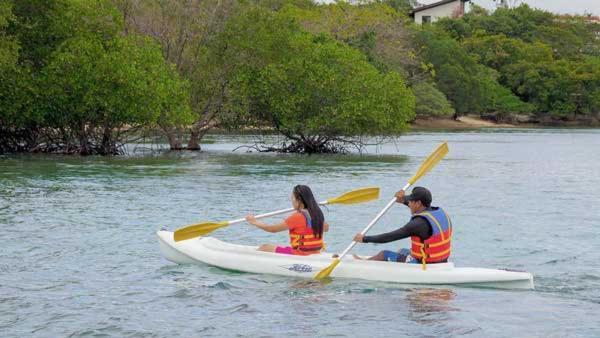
pixel 437 247
pixel 302 239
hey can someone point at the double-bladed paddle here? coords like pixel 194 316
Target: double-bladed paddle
pixel 200 229
pixel 425 167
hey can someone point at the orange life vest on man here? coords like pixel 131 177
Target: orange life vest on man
pixel 437 247
pixel 302 239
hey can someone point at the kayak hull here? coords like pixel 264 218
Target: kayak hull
pixel 211 251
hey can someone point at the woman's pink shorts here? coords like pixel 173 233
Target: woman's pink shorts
pixel 286 250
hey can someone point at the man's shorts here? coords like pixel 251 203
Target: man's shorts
pixel 402 256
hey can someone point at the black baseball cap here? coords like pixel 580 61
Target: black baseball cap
pixel 419 194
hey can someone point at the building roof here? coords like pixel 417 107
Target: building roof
pixel 435 4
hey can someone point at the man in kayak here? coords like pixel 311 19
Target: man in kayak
pixel 306 225
pixel 429 228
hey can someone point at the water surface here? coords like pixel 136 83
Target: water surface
pixel 80 258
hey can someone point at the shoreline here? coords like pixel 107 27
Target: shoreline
pixel 470 122
pixel 463 122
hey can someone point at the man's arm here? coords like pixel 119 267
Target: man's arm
pixel 417 226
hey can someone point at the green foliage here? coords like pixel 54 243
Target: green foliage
pixel 543 58
pixel 402 6
pixel 470 86
pixel 499 51
pixel 568 36
pixel 279 4
pixel 258 37
pixel 587 94
pixel 331 90
pixel 97 19
pixel 563 88
pixel 41 25
pixel 8 45
pixel 522 22
pixel 374 28
pixel 305 86
pixel 14 101
pixel 252 39
pixel 76 75
pixel 457 29
pixel 501 101
pixel 92 83
pixel 6 14
pixel 430 102
pixel 79 83
pixel 33 29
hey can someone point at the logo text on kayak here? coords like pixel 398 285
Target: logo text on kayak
pixel 299 268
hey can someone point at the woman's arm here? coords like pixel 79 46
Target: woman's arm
pixel 266 227
pixel 325 226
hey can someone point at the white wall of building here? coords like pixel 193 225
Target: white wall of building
pixel 438 12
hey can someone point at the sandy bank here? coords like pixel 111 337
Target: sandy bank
pixel 463 122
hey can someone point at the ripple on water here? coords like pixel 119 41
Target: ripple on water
pixel 562 260
pixel 221 286
pixel 189 294
pixel 240 308
pixel 8 319
pixel 582 286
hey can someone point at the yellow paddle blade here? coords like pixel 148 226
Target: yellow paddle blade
pixel 196 230
pixel 356 196
pixel 430 162
pixel 327 271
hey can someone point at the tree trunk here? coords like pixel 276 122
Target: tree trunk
pixel 175 137
pixel 84 146
pixel 194 142
pixel 107 145
pixel 195 138
pixel 201 127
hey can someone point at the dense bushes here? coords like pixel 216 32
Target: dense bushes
pixel 85 77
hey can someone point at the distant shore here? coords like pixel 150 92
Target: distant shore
pixel 463 122
pixel 474 122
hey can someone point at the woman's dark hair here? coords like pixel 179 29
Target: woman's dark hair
pixel 305 195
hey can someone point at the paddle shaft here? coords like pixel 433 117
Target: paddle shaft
pixel 269 214
pixel 379 215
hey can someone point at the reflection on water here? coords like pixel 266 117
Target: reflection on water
pixel 433 307
pixel 291 165
pixel 423 302
pixel 311 283
pixel 180 164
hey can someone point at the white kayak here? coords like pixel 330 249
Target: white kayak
pixel 245 258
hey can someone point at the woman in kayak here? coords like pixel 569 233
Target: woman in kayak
pixel 306 225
